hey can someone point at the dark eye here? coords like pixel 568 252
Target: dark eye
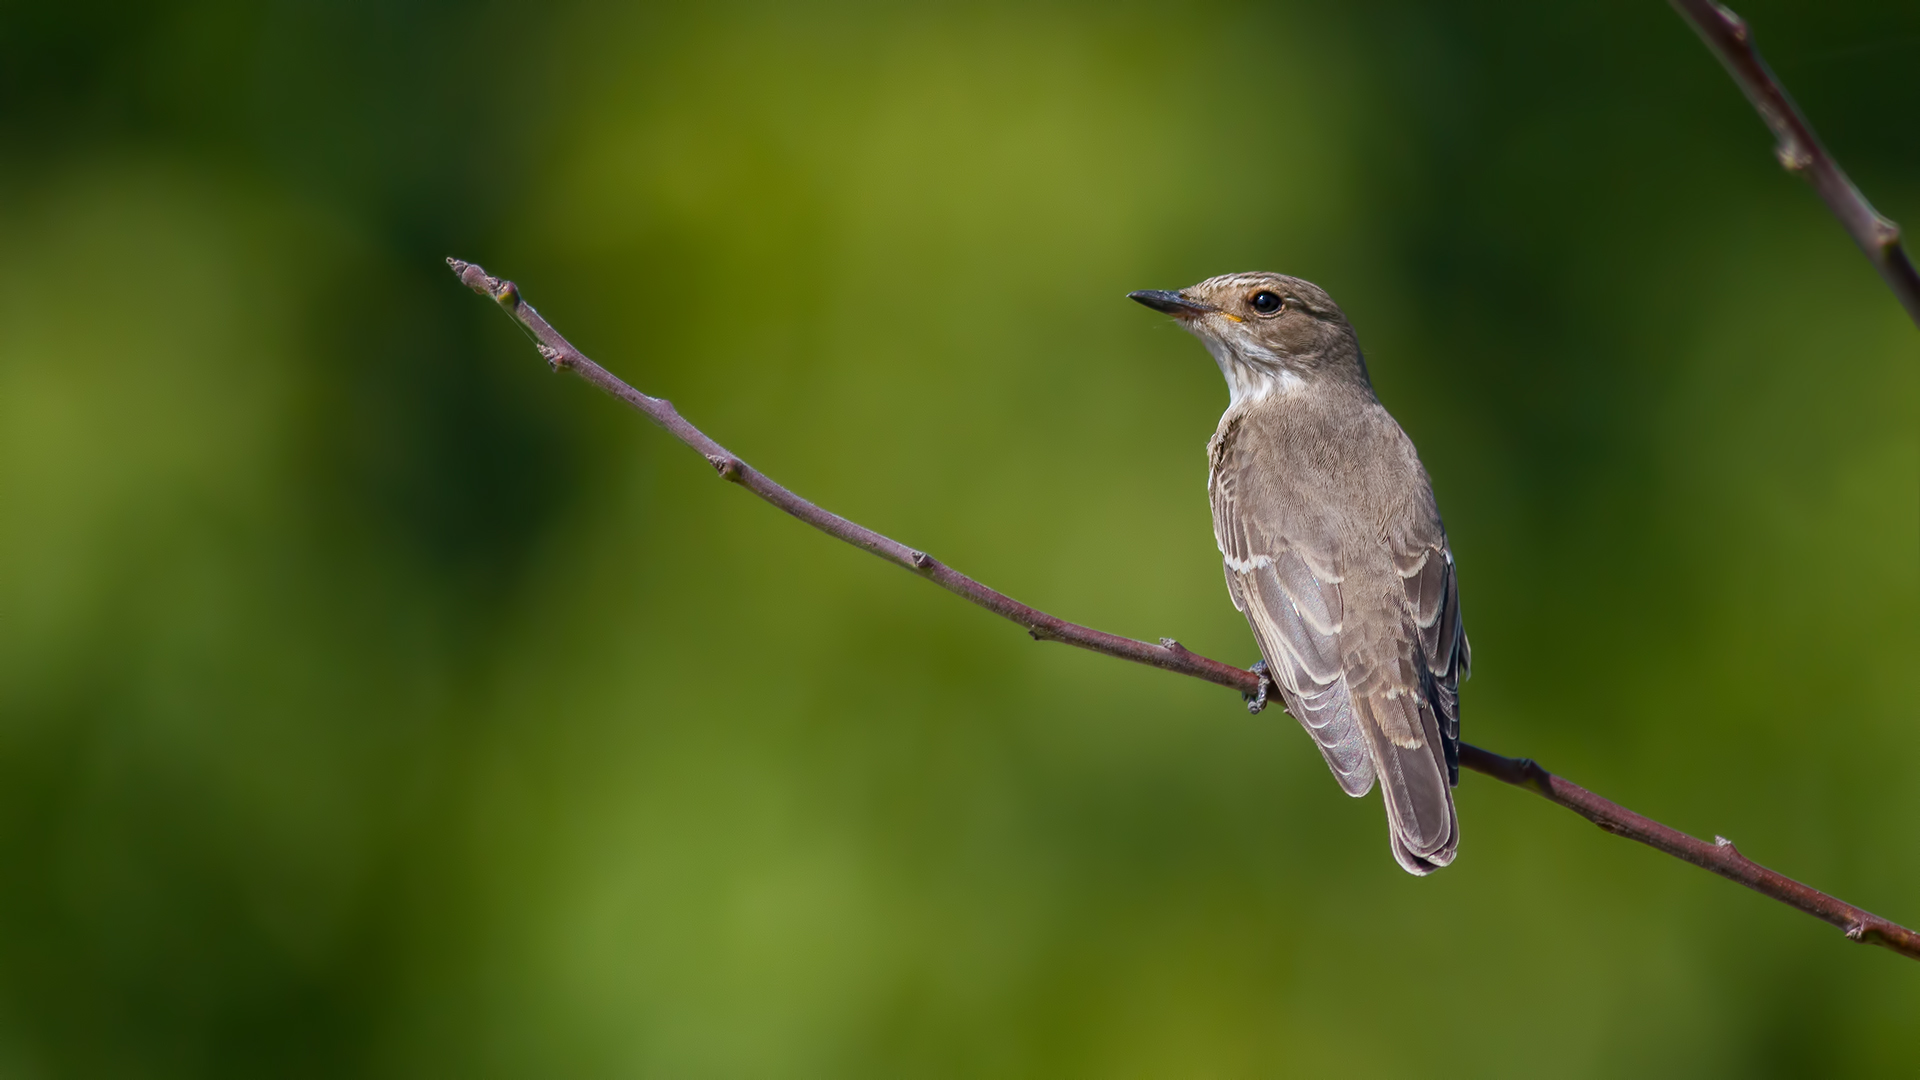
pixel 1266 303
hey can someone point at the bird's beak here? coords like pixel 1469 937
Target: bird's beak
pixel 1171 302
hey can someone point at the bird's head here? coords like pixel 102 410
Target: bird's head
pixel 1269 332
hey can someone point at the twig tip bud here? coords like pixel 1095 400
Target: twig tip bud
pixel 1736 25
pixel 472 276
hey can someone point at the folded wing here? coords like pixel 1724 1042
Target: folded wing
pixel 1296 614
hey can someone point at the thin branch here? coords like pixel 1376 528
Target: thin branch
pixel 1799 149
pixel 1719 857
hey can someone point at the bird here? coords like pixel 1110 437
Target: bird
pixel 1334 549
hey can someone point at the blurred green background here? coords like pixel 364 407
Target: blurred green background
pixel 374 703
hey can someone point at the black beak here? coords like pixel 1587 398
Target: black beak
pixel 1170 302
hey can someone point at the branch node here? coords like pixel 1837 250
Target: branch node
pixel 1175 647
pixel 1793 157
pixel 1735 25
pixel 506 294
pixel 727 466
pixel 923 561
pixel 555 358
pixel 1536 777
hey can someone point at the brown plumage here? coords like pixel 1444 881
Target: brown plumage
pixel 1334 549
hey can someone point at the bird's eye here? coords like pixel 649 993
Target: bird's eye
pixel 1266 303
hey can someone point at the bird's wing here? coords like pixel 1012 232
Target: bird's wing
pixel 1432 591
pixel 1295 610
pixel 1408 696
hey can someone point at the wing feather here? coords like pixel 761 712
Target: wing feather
pixel 1296 616
pixel 1305 662
pixel 1433 614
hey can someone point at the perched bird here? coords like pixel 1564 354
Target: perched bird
pixel 1334 549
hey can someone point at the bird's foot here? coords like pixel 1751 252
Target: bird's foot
pixel 1257 701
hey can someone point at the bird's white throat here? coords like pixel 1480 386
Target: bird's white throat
pixel 1252 379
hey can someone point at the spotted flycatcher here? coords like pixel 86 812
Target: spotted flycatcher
pixel 1334 549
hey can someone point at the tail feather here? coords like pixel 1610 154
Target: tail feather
pixel 1410 758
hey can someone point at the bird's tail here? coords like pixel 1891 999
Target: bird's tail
pixel 1413 779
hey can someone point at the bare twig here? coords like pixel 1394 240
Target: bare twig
pixel 1721 856
pixel 1170 655
pixel 1799 149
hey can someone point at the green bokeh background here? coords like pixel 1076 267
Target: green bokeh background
pixel 374 703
